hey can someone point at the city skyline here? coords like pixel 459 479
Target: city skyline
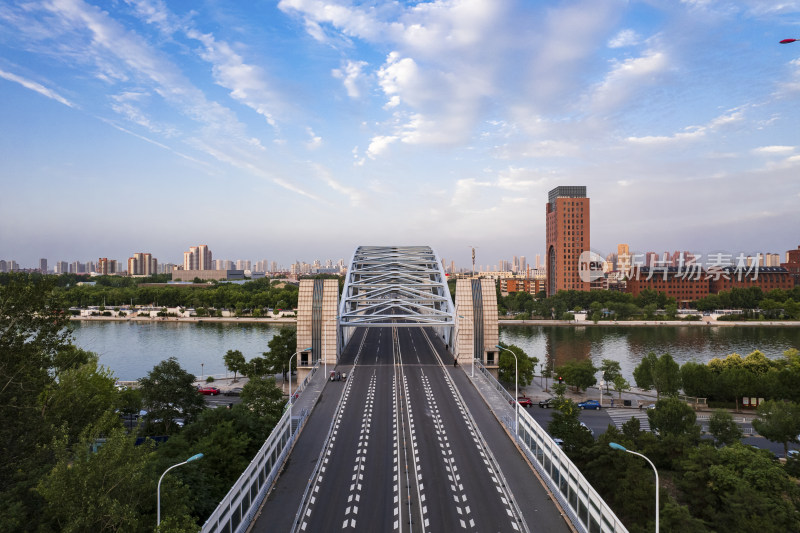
pixel 311 125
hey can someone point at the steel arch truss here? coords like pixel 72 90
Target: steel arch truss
pixel 395 286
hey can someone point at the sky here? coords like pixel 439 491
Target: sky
pixel 300 129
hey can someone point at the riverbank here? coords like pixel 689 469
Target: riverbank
pixel 572 323
pixel 649 323
pixel 206 319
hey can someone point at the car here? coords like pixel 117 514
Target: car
pixel 587 428
pixel 550 402
pixel 793 454
pixel 589 404
pixel 209 391
pixel 235 391
pixel 525 401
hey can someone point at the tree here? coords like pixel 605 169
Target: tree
pixel 506 365
pixel 80 398
pixel 33 331
pixel 621 385
pixel 168 392
pixel 264 398
pixel 611 369
pixel 104 490
pixel 778 422
pixel 580 374
pixel 674 417
pixel 697 379
pixel 566 425
pixel 723 428
pixel 281 348
pixel 737 488
pixel 661 373
pixel 235 362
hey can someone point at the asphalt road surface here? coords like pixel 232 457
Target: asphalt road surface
pixel 405 453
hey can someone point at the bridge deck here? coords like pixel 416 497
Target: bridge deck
pixel 402 412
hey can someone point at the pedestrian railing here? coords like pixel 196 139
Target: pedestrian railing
pixel 587 511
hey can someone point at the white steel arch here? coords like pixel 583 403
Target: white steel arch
pixel 396 286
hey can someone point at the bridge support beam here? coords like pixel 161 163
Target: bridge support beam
pixel 317 304
pixel 477 331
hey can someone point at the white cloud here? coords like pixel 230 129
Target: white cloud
pixel 691 133
pixel 624 38
pixel 36 87
pixel 628 77
pixel 466 192
pixel 379 144
pixel 773 149
pixel 314 140
pixel 352 74
pixel 355 196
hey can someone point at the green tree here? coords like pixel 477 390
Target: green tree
pixel 565 424
pixel 723 428
pixel 674 417
pixel 660 373
pixel 621 385
pixel 80 398
pixel 281 348
pixel 264 398
pixel 697 379
pixel 580 374
pixel 737 488
pixel 33 332
pixel 235 362
pixel 168 392
pixel 524 365
pixel 610 369
pixel 778 422
pixel 106 490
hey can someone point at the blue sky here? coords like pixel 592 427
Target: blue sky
pixel 300 129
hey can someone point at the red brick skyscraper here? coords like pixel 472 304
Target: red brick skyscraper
pixel 567 237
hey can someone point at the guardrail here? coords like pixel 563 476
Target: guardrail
pixel 238 508
pixel 587 511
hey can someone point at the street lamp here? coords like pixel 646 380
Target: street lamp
pixel 624 449
pixel 291 400
pixel 158 490
pixel 516 388
pixel 473 346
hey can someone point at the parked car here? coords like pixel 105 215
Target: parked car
pixel 550 402
pixel 589 404
pixel 212 391
pixel 587 428
pixel 235 391
pixel 525 401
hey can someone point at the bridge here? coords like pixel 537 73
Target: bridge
pixel 411 440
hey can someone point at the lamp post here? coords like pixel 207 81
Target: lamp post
pixel 473 346
pixel 624 449
pixel 516 388
pixel 291 400
pixel 158 490
pixel 202 372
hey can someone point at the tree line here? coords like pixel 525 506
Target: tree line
pixel 711 483
pixel 118 291
pixel 67 460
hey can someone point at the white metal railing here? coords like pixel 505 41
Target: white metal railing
pixel 587 511
pixel 238 508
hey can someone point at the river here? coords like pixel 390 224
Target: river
pixel 131 349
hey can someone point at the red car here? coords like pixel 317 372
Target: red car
pixel 524 401
pixel 213 391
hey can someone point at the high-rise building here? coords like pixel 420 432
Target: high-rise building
pixel 90 266
pixel 107 266
pixel 43 265
pixel 13 266
pixel 243 264
pixel 772 260
pixel 61 267
pixel 523 264
pixel 538 261
pixel 198 258
pixel 142 264
pixel 568 231
pixel 3 265
pixel 166 268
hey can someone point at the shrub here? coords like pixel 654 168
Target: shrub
pixel 210 379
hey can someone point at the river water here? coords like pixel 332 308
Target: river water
pixel 131 349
